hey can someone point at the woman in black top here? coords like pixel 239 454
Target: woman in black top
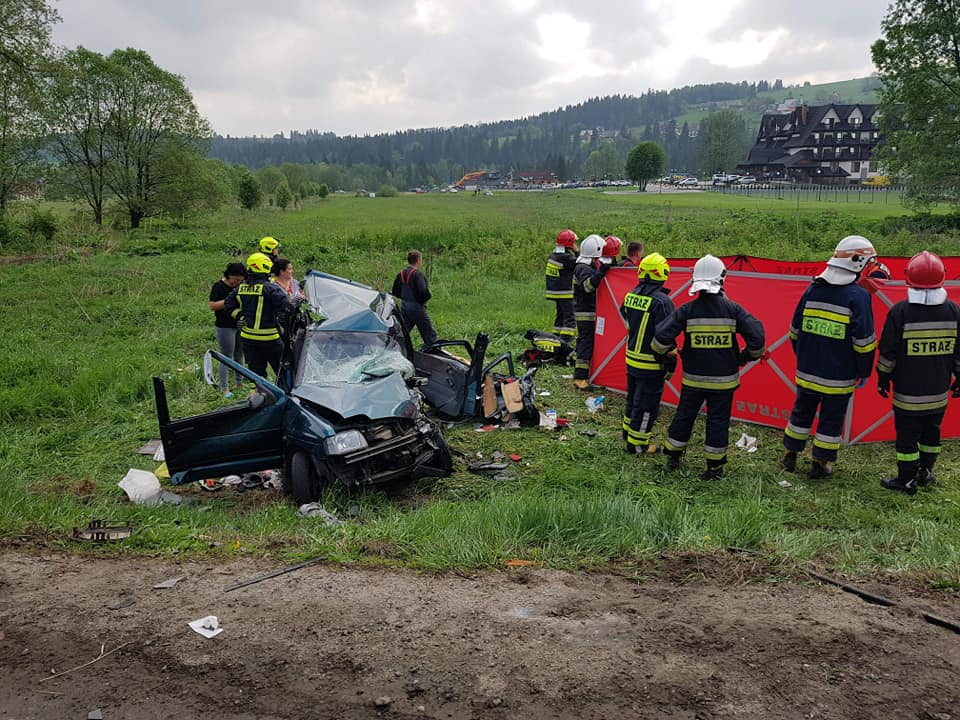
pixel 228 334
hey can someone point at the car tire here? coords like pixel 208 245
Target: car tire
pixel 301 483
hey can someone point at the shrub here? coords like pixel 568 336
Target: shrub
pixel 323 190
pixel 387 191
pixel 42 224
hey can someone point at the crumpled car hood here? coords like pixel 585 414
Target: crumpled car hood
pixel 378 399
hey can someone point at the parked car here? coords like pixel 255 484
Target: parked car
pixel 724 178
pixel 876 181
pixel 346 408
pixel 689 182
pixel 747 180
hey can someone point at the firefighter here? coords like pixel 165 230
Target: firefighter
pixel 587 274
pixel 919 352
pixel 410 286
pixel 559 281
pixel 259 302
pixel 634 255
pixel 643 307
pixel 832 333
pixel 270 247
pixel 711 362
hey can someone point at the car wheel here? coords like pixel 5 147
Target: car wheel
pixel 301 482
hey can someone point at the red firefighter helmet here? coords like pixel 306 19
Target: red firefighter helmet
pixel 611 246
pixel 924 271
pixel 567 238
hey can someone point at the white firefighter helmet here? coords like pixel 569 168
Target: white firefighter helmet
pixel 590 249
pixel 708 274
pixel 850 257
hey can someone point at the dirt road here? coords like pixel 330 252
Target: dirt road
pixel 690 639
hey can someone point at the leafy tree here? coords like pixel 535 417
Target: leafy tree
pixel 270 178
pixel 249 192
pixel 323 191
pixel 282 195
pixel 196 183
pixel 152 115
pixel 723 141
pixel 918 61
pixel 645 162
pixel 25 27
pixel 604 162
pixel 386 191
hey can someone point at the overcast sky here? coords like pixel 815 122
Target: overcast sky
pixel 257 67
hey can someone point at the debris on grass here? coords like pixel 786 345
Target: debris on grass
pixel 516 457
pixel 522 563
pixel 99 531
pixel 166 584
pixel 141 486
pixel 588 433
pixel 486 467
pixel 150 447
pixel 747 442
pixel 208 626
pixel 316 510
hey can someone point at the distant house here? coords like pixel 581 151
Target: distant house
pixel 831 144
pixel 534 177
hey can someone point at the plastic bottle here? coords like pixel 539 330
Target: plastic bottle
pixel 551 418
pixel 594 403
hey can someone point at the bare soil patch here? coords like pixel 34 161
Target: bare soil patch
pixel 692 639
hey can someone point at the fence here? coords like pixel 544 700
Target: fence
pixel 808 192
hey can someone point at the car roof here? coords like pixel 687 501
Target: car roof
pixel 347 305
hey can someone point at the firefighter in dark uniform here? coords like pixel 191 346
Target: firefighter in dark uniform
pixel 270 247
pixel 919 353
pixel 587 274
pixel 411 287
pixel 833 336
pixel 559 281
pixel 711 362
pixel 643 307
pixel 259 302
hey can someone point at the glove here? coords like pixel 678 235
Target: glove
pixel 670 363
pixel 745 357
pixel 603 269
pixel 861 382
pixel 955 388
pixel 883 385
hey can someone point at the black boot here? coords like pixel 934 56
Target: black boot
pixel 673 458
pixel 714 470
pixel 906 479
pixel 925 474
pixel 789 461
pixel 820 469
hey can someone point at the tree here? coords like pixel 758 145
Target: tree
pixel 645 162
pixel 282 195
pixel 152 115
pixel 723 141
pixel 25 27
pixel 249 192
pixel 323 191
pixel 918 60
pixel 603 163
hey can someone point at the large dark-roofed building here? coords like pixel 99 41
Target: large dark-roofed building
pixel 830 144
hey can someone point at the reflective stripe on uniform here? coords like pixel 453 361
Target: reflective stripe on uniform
pixel 827 315
pixel 707 324
pixel 558 295
pixel 828 307
pixel 865 345
pixel 886 365
pixel 920 402
pixel 711 382
pixel 827 386
pixel 796 432
pixel 658 348
pixel 714 453
pixel 585 316
pixel 916 327
pixel 931 449
pixel 676 444
pixel 908 457
pixel 827 442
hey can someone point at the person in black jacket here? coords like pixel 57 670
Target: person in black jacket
pixel 919 353
pixel 228 334
pixel 559 283
pixel 260 303
pixel 587 275
pixel 643 307
pixel 711 362
pixel 410 286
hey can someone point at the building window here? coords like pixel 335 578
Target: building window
pixel 855 166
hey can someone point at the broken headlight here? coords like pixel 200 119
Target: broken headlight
pixel 345 442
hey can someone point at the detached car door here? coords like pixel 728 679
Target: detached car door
pixel 234 439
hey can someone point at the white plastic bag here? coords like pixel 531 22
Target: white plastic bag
pixel 141 486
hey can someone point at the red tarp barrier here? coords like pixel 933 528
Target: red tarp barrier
pixel 749 263
pixel 767 388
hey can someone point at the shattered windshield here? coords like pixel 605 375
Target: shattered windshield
pixel 351 357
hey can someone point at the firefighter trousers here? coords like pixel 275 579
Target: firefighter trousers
pixel 581 371
pixel 918 437
pixel 719 406
pixel 826 441
pixel 564 323
pixel 643 405
pixel 260 353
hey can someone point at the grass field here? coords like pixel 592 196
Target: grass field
pixel 91 320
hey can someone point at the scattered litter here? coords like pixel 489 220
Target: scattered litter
pixel 747 442
pixel 210 484
pixel 162 471
pixel 521 563
pixel 95 714
pixel 272 479
pixel 511 425
pixel 484 428
pixel 549 419
pixel 103 653
pixel 273 574
pixel 563 422
pixel 169 498
pixel 503 477
pixel 588 433
pixel 230 480
pixel 383 701
pixel 98 531
pixel 159 455
pixel 594 403
pixel 141 486
pixel 123 601
pixel 251 481
pixel 486 467
pixel 544 393
pixel 516 457
pixel 353 511
pixel 785 484
pixel 168 583
pixel 497 456
pixel 208 626
pixel 567 377
pixel 563 438
pixel 313 510
pixel 150 447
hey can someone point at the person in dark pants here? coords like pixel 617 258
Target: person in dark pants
pixel 832 332
pixel 711 362
pixel 410 286
pixel 587 275
pixel 919 354
pixel 559 283
pixel 643 307
pixel 228 334
pixel 259 302
pixel 634 255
